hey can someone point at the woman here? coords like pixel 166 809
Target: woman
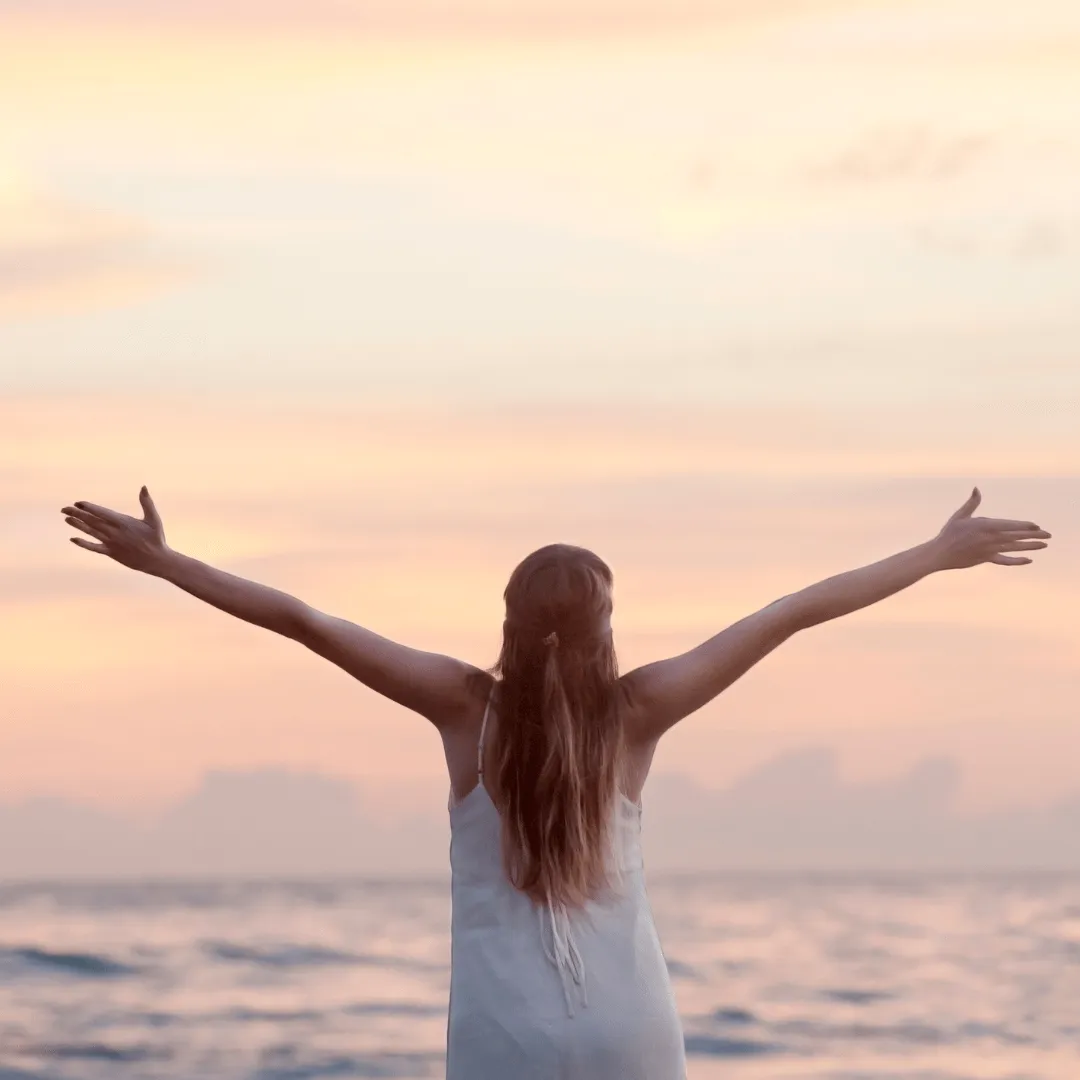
pixel 556 968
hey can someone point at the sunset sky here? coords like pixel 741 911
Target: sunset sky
pixel 378 297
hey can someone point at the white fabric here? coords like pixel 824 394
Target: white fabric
pixel 564 952
pixel 515 967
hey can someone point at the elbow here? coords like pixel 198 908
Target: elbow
pixel 296 621
pixel 796 612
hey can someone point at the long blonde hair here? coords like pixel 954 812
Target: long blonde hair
pixel 560 754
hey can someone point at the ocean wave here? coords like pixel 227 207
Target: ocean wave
pixel 359 1067
pixel 717 1046
pixel 977 1029
pixel 393 1008
pixel 300 956
pixel 100 1052
pixel 287 956
pixel 129 1018
pixel 268 1016
pixel 678 970
pixel 733 1016
pixel 90 965
pixel 846 996
pixel 196 893
pixel 912 1033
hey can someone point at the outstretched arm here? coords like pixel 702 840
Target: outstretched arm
pixel 660 694
pixel 436 686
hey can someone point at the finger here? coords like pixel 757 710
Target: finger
pixel 150 514
pixel 968 508
pixel 90 518
pixel 1022 545
pixel 85 527
pixel 1003 523
pixel 1025 534
pixel 87 518
pixel 103 512
pixel 99 548
pixel 1006 560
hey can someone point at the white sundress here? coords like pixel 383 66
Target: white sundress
pixel 537 993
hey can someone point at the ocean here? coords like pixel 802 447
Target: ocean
pixel 796 977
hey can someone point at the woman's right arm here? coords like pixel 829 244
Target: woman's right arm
pixel 660 694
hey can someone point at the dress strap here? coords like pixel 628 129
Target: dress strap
pixel 483 727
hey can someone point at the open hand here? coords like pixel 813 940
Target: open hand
pixel 968 541
pixel 139 544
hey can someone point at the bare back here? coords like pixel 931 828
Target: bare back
pixel 460 742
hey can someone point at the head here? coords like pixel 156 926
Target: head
pixel 560 755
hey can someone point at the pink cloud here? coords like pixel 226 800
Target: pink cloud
pixel 58 257
pixel 529 19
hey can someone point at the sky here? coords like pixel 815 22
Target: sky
pixel 377 298
pixel 794 812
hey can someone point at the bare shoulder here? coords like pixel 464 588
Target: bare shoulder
pixel 463 716
pixel 633 707
pixel 461 732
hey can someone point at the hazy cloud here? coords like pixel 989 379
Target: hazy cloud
pixel 44 584
pixel 794 812
pixel 58 256
pixel 1042 239
pixel 915 152
pixel 1034 239
pixel 468 18
pixel 797 812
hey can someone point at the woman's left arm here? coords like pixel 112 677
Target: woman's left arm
pixel 437 687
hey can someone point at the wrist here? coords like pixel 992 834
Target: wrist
pixel 933 555
pixel 165 565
